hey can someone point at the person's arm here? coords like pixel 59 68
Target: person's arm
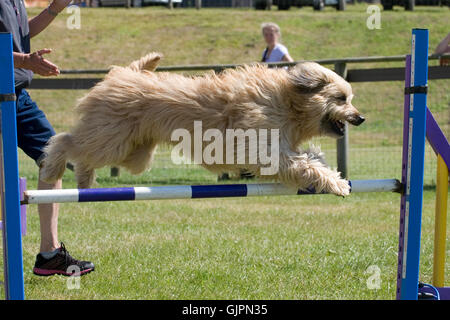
pixel 42 20
pixel 443 47
pixel 35 62
pixel 287 58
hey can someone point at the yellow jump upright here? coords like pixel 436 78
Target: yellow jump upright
pixel 440 222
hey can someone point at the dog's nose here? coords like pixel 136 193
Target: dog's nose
pixel 358 120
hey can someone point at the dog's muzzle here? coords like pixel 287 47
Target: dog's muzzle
pixel 357 120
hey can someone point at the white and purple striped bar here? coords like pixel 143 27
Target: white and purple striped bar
pixel 190 192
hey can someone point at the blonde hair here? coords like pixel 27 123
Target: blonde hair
pixel 272 25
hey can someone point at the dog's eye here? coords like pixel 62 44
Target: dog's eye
pixel 342 98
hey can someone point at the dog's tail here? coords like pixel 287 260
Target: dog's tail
pixel 55 161
pixel 148 62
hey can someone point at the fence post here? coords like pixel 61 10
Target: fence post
pixel 198 4
pixel 115 172
pixel 342 144
pixel 9 180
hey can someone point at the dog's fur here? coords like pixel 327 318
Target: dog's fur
pixel 124 117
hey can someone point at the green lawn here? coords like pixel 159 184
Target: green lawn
pixel 309 247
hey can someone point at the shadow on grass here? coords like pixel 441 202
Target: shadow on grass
pixel 160 181
pixel 202 180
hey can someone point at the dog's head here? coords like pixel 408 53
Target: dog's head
pixel 324 97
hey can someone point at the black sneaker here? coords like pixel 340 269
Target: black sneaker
pixel 62 263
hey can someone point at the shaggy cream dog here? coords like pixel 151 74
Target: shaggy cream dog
pixel 124 117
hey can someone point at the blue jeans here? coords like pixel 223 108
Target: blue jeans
pixel 33 128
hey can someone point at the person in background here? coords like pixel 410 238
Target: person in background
pixel 442 48
pixel 275 51
pixel 33 128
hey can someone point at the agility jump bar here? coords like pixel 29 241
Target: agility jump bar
pixel 191 192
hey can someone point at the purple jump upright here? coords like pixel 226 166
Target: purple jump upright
pixel 23 208
pixel 404 176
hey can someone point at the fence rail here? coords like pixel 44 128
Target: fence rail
pixel 340 66
pixel 220 67
pixel 355 75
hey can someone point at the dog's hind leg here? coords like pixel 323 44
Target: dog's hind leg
pixel 140 158
pixel 85 175
pixel 57 152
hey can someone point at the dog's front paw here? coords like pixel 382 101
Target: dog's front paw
pixel 339 187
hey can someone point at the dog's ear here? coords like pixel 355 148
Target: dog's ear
pixel 308 77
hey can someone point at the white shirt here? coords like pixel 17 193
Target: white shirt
pixel 277 54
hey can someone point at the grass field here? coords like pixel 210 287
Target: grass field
pixel 311 247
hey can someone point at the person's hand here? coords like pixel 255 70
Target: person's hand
pixel 59 5
pixel 36 63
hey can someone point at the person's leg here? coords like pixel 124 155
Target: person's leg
pixel 33 134
pixel 48 218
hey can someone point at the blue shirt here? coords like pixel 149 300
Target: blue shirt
pixel 14 20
